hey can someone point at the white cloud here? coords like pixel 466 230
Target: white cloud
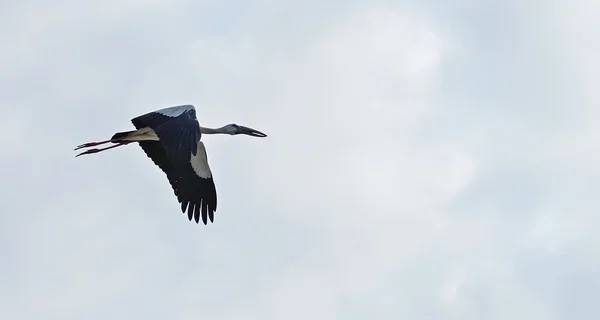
pixel 422 161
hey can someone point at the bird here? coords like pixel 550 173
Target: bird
pixel 170 137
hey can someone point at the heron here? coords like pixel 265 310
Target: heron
pixel 170 137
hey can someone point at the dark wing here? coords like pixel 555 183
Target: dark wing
pixel 195 188
pixel 177 129
pixel 197 194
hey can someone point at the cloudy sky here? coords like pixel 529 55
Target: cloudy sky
pixel 425 160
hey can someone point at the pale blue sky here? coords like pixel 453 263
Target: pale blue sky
pixel 425 160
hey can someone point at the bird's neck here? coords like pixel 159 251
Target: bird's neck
pixel 213 130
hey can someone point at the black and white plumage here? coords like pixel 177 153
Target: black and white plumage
pixel 171 138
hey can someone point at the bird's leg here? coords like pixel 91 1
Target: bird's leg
pixel 93 144
pixel 89 151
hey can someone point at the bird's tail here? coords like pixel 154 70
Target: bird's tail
pixel 121 138
pixel 142 134
pixel 120 135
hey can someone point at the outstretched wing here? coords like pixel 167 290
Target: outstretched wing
pixel 191 178
pixel 177 129
pixel 195 187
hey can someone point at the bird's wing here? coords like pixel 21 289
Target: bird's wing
pixel 196 187
pixel 192 182
pixel 181 155
pixel 177 129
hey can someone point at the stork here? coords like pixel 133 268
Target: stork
pixel 170 137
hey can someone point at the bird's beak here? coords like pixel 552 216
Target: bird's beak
pixel 251 132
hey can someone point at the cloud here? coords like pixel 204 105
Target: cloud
pixel 423 161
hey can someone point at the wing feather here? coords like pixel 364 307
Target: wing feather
pixel 178 135
pixel 191 177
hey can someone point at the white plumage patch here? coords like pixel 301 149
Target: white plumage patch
pixel 175 111
pixel 199 162
pixel 143 134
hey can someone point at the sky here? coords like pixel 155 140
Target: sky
pixel 424 160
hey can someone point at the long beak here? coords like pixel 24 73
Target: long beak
pixel 251 132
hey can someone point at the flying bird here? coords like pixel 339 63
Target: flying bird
pixel 171 138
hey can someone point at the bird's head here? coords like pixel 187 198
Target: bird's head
pixel 234 129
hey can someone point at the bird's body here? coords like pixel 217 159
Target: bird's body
pixel 171 138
